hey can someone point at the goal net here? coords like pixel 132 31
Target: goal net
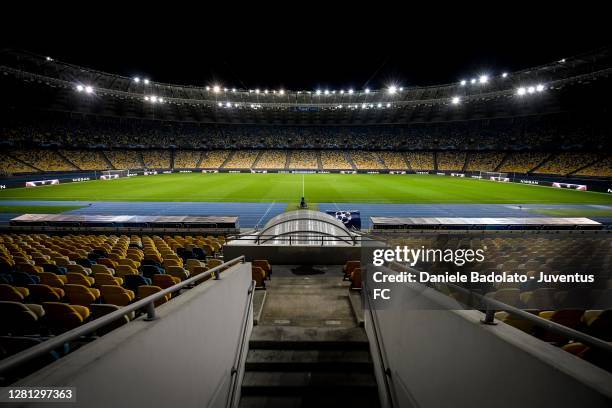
pixel 114 174
pixel 494 175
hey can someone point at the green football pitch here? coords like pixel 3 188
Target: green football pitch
pixel 318 188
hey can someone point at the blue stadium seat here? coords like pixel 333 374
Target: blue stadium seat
pixel 149 270
pixel 58 270
pixel 24 279
pixel 132 282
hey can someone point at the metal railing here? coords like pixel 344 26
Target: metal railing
pixel 148 304
pixel 231 397
pixel 491 306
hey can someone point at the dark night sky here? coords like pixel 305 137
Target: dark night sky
pixel 315 54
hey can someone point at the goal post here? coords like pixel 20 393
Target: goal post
pixel 114 174
pixel 494 176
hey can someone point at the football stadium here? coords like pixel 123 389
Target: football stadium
pixel 170 243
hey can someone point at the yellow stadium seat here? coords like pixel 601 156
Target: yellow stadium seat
pixel 51 279
pixel 79 279
pixel 81 295
pixel 10 293
pixel 148 290
pixel 116 295
pixel 62 316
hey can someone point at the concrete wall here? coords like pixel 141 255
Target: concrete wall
pixel 446 358
pixel 185 355
pixel 293 254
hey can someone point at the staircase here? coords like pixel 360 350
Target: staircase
pixel 288 160
pixel 319 161
pixel 308 349
pixel 110 164
pixel 228 159
pixel 349 159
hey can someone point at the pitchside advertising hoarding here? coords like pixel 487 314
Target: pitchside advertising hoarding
pixel 537 180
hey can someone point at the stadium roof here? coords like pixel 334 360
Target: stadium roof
pixel 74 88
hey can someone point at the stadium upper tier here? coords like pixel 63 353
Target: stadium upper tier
pixel 41 81
pixel 558 163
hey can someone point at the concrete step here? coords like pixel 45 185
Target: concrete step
pixel 306 382
pixel 306 401
pixel 309 360
pixel 308 338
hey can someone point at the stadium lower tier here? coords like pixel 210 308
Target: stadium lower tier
pixel 20 161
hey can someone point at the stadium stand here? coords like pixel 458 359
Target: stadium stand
pixel 125 159
pixel 156 159
pixel 481 161
pixel 393 160
pixel 602 168
pixel 451 161
pixel 187 159
pixel 87 159
pixel 565 163
pixel 420 160
pixel 365 160
pixel 241 159
pixel 214 159
pixel 271 159
pixel 332 160
pixel 46 160
pixel 523 162
pixel 304 159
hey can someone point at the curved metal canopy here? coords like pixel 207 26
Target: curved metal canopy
pixel 305 227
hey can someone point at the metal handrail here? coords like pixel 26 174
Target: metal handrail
pixel 237 360
pixel 148 303
pixel 492 305
pixel 386 374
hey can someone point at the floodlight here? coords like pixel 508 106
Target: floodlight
pixel 49 58
pixel 483 79
pixel 161 100
pixel 88 89
pixel 326 92
pixel 146 98
pixel 228 105
pixel 531 89
pixel 521 91
pixel 318 92
pixel 220 104
pixel 79 88
pixel 340 106
pixel 463 82
pixel 257 91
pixel 504 75
pixel 539 87
pixel 153 99
pixel 392 89
pixel 136 79
pixel 208 88
pixel 282 92
pixel 363 106
pixel 401 89
pixel 379 105
pixel 473 81
pixel 216 89
pixel 388 105
pixel 367 90
pixel 233 89
pixel 266 91
pixel 455 100
pixel 146 81
pixel 225 89
pixel 350 91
